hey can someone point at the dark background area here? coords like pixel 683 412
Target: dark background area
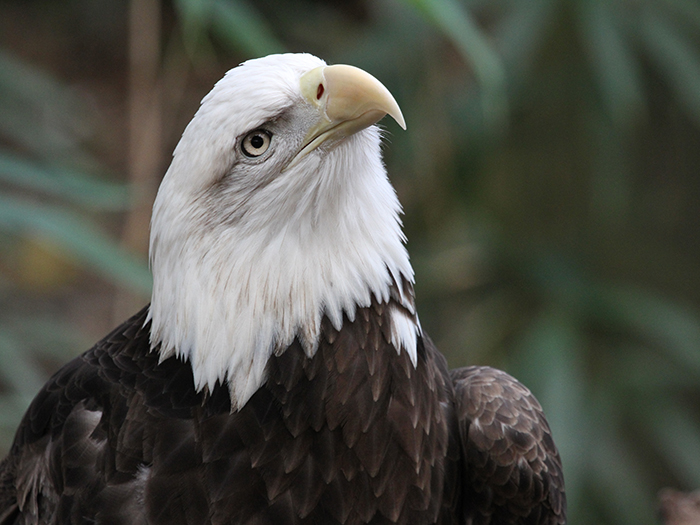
pixel 550 177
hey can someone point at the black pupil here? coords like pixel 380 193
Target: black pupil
pixel 257 141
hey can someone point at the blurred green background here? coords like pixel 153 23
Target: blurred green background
pixel 550 177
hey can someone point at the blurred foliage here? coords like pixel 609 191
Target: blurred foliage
pixel 550 176
pixel 52 190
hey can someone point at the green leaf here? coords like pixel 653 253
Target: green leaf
pixel 195 17
pixel 241 27
pixel 667 325
pixel 235 23
pixel 71 185
pixel 32 85
pixel 458 25
pixel 676 56
pixel 45 116
pixel 90 246
pixel 648 371
pixel 686 11
pixel 616 66
pixel 521 32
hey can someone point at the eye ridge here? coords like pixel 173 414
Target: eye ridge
pixel 256 143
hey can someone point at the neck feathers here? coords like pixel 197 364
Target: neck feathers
pixel 229 294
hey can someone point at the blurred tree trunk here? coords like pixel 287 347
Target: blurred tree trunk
pixel 145 133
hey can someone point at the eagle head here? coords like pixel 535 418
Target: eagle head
pixel 275 211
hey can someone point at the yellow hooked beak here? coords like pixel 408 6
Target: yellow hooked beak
pixel 348 100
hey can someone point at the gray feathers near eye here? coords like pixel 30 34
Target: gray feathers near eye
pixel 256 143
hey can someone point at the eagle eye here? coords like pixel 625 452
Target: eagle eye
pixel 256 143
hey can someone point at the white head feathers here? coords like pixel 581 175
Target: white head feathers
pixel 248 254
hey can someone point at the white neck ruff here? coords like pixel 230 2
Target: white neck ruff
pixel 228 295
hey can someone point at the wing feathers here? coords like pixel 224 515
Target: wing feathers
pixel 512 467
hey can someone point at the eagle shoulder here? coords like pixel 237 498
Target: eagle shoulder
pixel 512 470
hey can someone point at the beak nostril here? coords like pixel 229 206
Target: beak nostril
pixel 319 91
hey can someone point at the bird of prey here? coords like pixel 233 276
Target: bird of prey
pixel 280 374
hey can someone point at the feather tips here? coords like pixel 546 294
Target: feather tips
pixel 513 468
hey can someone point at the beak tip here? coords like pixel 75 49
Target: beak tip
pixel 394 111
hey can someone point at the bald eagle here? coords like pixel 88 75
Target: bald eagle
pixel 280 374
